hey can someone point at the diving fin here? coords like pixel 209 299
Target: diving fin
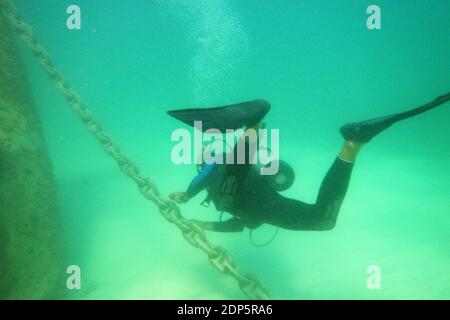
pixel 364 131
pixel 227 117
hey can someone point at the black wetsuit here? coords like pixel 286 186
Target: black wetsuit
pixel 243 192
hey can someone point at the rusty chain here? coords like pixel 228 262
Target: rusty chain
pixel 219 258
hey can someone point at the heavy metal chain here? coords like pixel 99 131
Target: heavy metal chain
pixel 220 258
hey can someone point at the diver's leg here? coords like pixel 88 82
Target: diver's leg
pixel 334 188
pixel 335 184
pixel 296 215
pixel 293 214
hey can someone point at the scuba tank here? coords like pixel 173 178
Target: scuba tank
pixel 283 179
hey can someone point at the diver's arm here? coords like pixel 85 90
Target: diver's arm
pixel 199 183
pixel 231 225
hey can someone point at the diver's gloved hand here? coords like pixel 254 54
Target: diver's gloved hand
pixel 178 197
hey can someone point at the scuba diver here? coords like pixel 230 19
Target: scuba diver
pixel 254 199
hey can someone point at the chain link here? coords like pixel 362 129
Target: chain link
pixel 219 258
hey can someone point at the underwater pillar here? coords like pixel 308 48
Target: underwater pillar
pixel 31 246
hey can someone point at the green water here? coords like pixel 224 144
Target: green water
pixel 320 67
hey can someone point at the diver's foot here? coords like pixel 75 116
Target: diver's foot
pixel 364 131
